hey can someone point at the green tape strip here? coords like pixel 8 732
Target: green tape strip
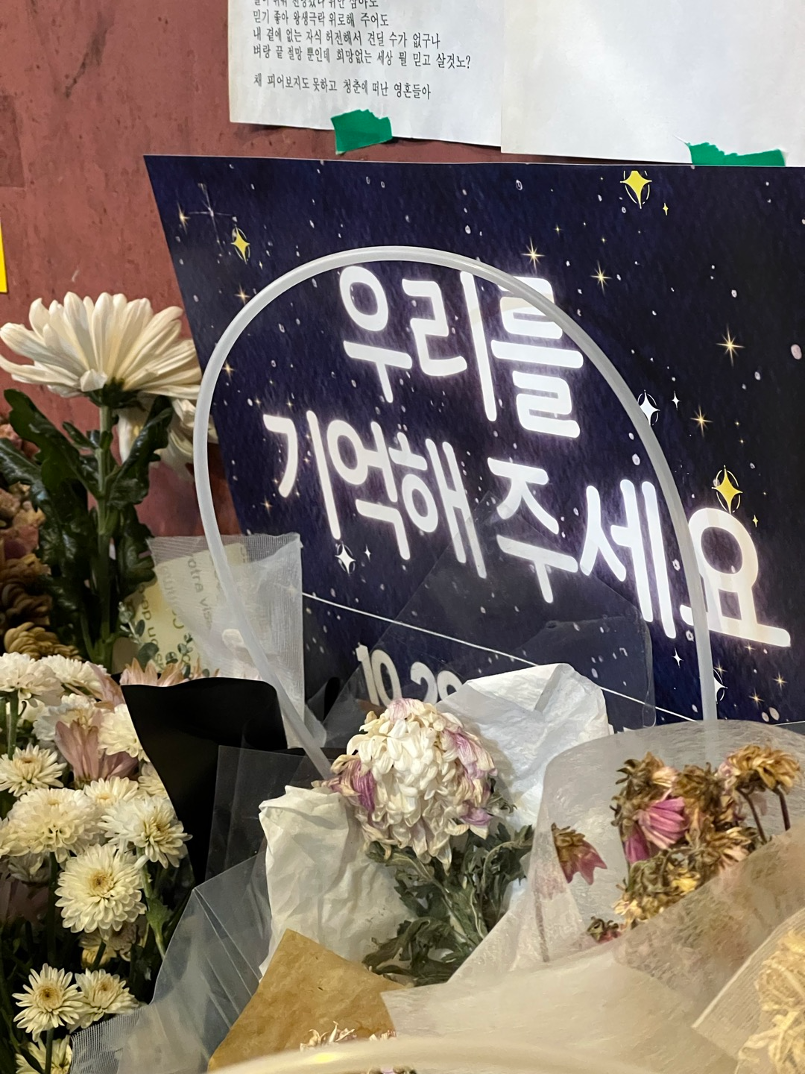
pixel 354 130
pixel 705 153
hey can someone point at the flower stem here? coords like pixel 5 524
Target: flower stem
pixel 99 954
pixel 50 914
pixel 756 817
pixel 105 462
pixel 784 809
pixel 12 718
pixel 49 1050
pixel 156 925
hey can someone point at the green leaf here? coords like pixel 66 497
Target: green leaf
pixel 129 483
pixel 56 451
pixel 135 567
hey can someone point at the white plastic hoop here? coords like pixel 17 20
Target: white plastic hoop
pixel 514 287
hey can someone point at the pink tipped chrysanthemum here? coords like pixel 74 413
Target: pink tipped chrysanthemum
pixel 576 854
pixel 415 778
pixel 663 822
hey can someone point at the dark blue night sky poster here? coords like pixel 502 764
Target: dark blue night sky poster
pixel 372 409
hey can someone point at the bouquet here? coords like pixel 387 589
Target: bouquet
pixel 93 871
pixel 143 379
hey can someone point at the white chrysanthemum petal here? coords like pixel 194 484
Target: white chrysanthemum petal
pixel 117 734
pixel 99 889
pixel 31 768
pixel 60 1059
pixel 27 677
pixel 74 675
pixel 50 821
pixel 105 792
pixel 49 1000
pixel 102 994
pixel 80 346
pixel 151 826
pixel 150 783
pixel 73 707
pixel 117 943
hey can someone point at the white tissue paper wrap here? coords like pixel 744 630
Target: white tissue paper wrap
pixel 320 882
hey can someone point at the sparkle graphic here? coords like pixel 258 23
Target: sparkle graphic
pixel 183 218
pixel 754 697
pixel 267 505
pixel 532 254
pixel 228 370
pixel 665 209
pixel 678 659
pixel 727 490
pixel 647 404
pixel 675 400
pixel 730 345
pixel 637 187
pixel 701 420
pixel 240 293
pixel 781 682
pixel 241 244
pixel 208 211
pixel 367 553
pixel 719 687
pixel 558 229
pixel 599 276
pixel 344 558
pixel 755 520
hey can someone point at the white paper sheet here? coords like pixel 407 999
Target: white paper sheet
pixel 632 80
pixel 433 69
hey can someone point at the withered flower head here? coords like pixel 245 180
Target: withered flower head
pixel 705 795
pixel 602 930
pixel 656 883
pixel 645 781
pixel 576 854
pixel 716 848
pixel 780 986
pixel 759 768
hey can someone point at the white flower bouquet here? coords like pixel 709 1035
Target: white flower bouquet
pixel 93 872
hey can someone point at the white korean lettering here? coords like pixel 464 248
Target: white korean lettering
pixel 520 477
pixel 436 327
pixel 542 559
pixel 457 508
pixel 383 358
pixel 285 427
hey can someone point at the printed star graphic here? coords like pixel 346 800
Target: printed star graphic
pixel 367 553
pixel 599 276
pixel 183 218
pixel 755 520
pixel 781 682
pixel 754 697
pixel 730 345
pixel 240 293
pixel 647 404
pixel 532 254
pixel 701 420
pixel 228 370
pixel 558 229
pixel 665 209
pixel 241 243
pixel 636 185
pixel 344 558
pixel 726 489
pixel 677 658
pixel 267 505
pixel 675 400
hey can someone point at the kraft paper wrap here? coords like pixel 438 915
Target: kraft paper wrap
pixel 305 988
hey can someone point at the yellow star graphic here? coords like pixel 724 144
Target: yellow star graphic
pixel 755 520
pixel 240 293
pixel 228 370
pixel 183 218
pixel 599 276
pixel 781 682
pixel 558 229
pixel 730 345
pixel 241 243
pixel 701 420
pixel 726 488
pixel 665 209
pixel 532 254
pixel 267 505
pixel 754 697
pixel 636 185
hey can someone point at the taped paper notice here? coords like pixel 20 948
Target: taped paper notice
pixel 627 80
pixel 705 153
pixel 434 70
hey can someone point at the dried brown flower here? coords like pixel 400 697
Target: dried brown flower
pixel 780 986
pixel 602 930
pixel 576 854
pixel 706 796
pixel 657 882
pixel 759 768
pixel 36 641
pixel 645 781
pixel 715 848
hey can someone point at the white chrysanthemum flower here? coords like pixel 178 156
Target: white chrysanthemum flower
pixel 105 792
pixel 83 346
pixel 51 820
pixel 178 453
pixel 29 868
pixel 151 826
pixel 117 734
pixel 60 1059
pixel 74 675
pixel 72 708
pixel 117 943
pixel 103 993
pixel 30 769
pixel 26 677
pixel 49 1000
pixel 99 889
pixel 150 783
pixel 416 778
